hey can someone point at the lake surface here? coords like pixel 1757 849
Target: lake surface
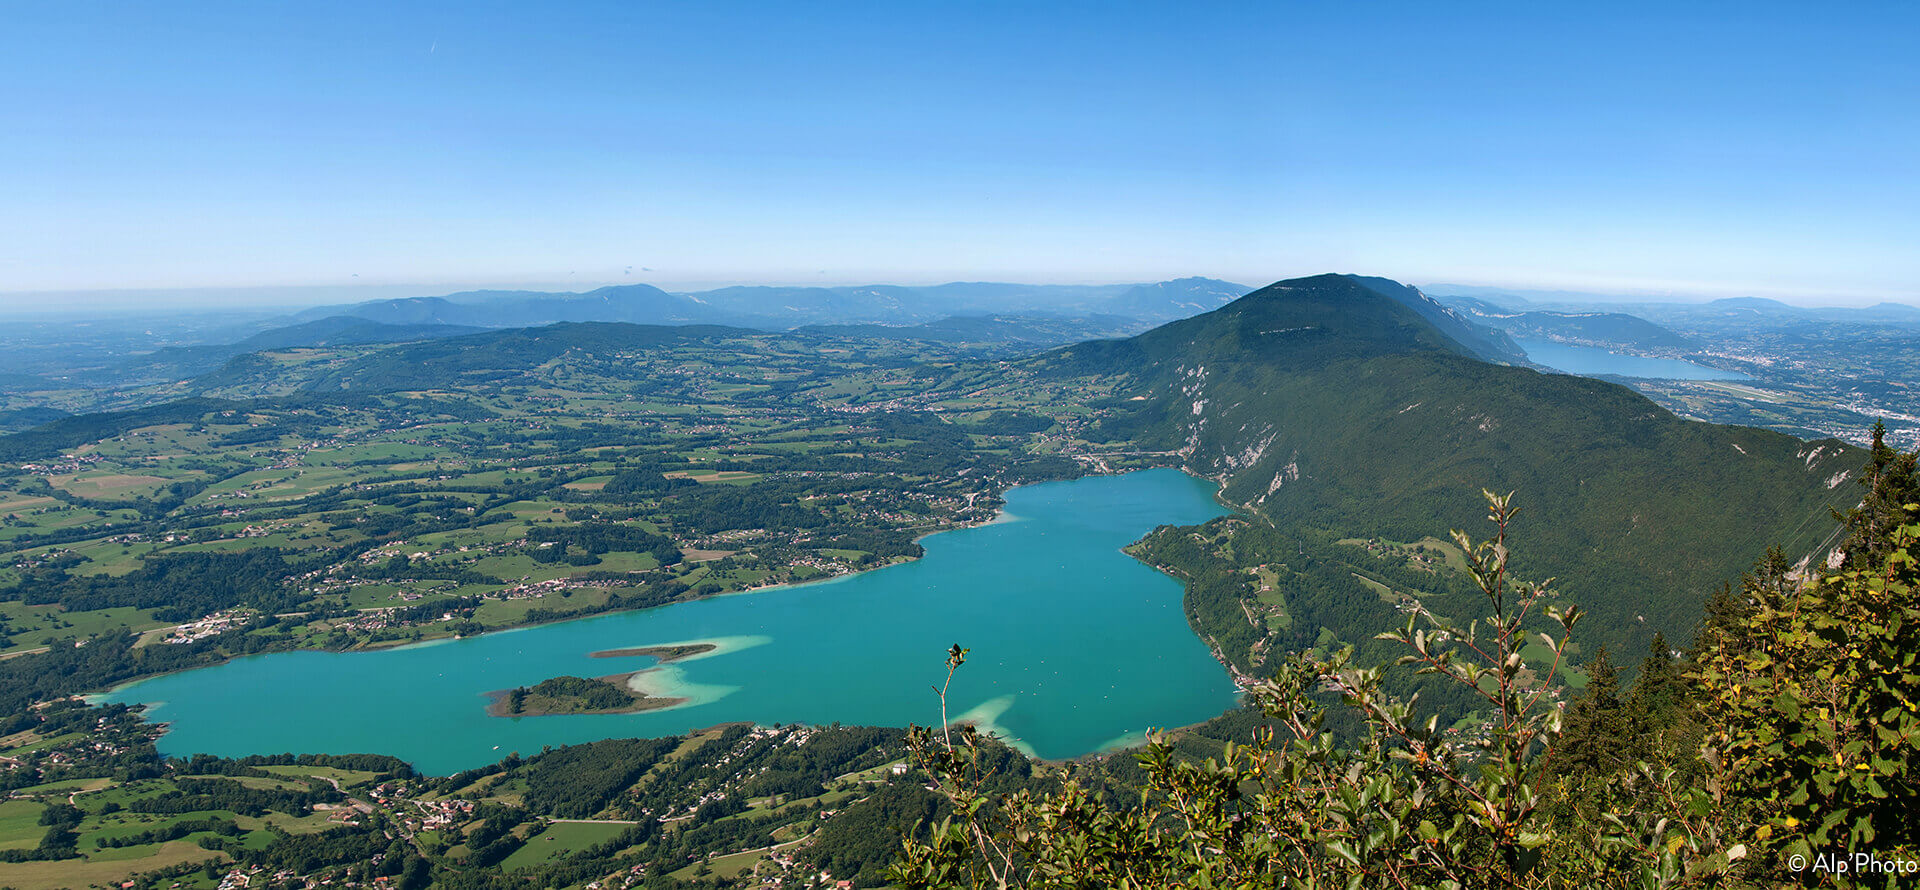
pixel 1592 360
pixel 1076 647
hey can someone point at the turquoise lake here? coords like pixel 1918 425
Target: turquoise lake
pixel 1592 360
pixel 1077 647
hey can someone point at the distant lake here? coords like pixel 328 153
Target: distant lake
pixel 1076 647
pixel 1592 360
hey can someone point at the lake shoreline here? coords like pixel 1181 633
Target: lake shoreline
pixel 1091 511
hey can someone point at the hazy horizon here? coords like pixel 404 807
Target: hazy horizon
pixel 272 300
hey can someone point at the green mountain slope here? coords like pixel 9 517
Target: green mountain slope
pixel 1324 403
pixel 1486 342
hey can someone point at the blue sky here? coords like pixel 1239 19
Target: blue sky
pixel 1724 148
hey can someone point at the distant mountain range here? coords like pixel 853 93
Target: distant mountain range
pixel 1741 311
pixel 780 308
pixel 1612 329
pixel 1012 330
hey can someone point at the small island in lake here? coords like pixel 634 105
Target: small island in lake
pixel 665 654
pixel 575 695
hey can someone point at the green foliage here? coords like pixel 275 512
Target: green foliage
pixel 1011 423
pixel 605 537
pixel 577 781
pixel 1815 704
pixel 569 695
pixel 178 587
pixel 196 794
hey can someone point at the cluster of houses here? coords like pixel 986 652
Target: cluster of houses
pixel 209 626
pixel 539 589
pixel 68 463
pixel 237 878
pixel 100 746
pixel 436 814
pixel 29 561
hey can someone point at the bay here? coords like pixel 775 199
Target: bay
pixel 1077 647
pixel 1592 361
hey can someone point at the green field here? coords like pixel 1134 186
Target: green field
pixel 108 867
pixel 560 839
pixel 20 828
pixel 33 625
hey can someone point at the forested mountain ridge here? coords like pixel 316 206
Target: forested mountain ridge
pixel 1324 403
pixel 180 362
pixel 1490 343
pixel 478 357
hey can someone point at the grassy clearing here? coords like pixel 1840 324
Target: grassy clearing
pixel 560 840
pixel 1385 593
pixel 313 823
pixel 112 558
pixel 348 778
pixel 107 486
pixel 33 624
pixel 504 612
pixel 121 825
pixel 20 827
pixel 41 744
pixel 98 870
pixel 729 866
pixel 259 782
pixel 1424 553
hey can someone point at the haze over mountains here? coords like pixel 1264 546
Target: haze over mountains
pixel 1602 328
pixel 786 307
pixel 113 353
pixel 1749 310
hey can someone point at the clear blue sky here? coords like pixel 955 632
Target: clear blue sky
pixel 1726 148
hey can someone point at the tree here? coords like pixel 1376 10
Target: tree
pixel 1659 689
pixel 1892 500
pixel 1595 740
